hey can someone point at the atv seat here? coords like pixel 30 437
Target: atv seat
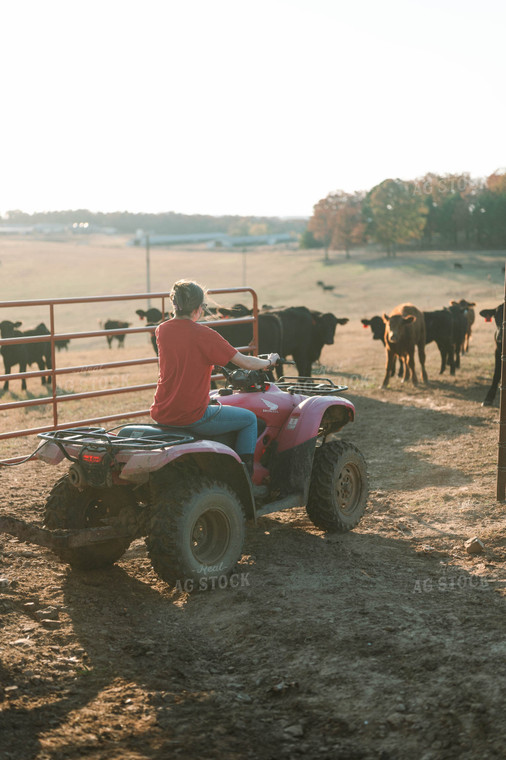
pixel 167 433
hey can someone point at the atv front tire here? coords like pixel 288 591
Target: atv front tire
pixel 69 508
pixel 196 533
pixel 339 488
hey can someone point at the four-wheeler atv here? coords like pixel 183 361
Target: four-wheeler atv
pixel 189 497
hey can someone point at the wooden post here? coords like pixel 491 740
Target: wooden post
pixel 501 460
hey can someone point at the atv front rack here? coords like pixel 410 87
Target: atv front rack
pixel 310 386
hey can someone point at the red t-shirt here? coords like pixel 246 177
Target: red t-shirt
pixel 187 352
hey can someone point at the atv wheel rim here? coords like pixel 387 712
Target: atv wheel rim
pixel 348 488
pixel 210 537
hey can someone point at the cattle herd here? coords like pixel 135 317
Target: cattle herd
pixel 301 333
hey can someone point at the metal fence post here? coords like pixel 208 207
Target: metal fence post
pixel 501 459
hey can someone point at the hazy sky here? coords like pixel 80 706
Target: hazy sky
pixel 242 107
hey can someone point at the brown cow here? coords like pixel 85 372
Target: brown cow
pixel 404 329
pixel 467 308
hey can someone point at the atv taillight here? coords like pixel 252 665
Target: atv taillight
pixel 92 458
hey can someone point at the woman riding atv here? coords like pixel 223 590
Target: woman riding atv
pixel 188 351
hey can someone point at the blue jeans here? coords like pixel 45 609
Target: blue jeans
pixel 227 419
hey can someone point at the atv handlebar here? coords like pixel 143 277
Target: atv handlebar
pixel 250 379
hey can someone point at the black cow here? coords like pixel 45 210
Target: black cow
pixel 439 328
pixel 270 332
pixel 497 315
pixel 467 308
pixel 305 333
pixel 25 354
pixel 377 326
pixel 324 330
pixel 153 317
pixel 460 327
pixel 115 324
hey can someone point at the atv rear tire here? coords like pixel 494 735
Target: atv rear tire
pixel 196 533
pixel 69 508
pixel 339 489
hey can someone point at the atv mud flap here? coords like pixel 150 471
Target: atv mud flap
pixel 291 470
pixel 57 539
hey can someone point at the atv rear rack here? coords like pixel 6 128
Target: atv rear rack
pixel 101 438
pixel 310 386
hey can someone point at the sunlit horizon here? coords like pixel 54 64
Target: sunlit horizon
pixel 243 109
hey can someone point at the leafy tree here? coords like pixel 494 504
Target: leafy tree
pixel 308 240
pixel 398 214
pixel 349 227
pixel 321 224
pixel 337 221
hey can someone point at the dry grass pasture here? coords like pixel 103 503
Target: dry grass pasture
pixel 386 642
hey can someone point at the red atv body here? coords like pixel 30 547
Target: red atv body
pixel 189 497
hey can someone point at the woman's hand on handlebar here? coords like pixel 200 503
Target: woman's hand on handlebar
pixel 273 359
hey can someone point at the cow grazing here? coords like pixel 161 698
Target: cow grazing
pixel 497 315
pixel 439 328
pixel 115 324
pixel 25 354
pixel 404 330
pixel 468 311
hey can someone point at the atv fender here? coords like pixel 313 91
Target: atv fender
pixel 138 465
pixel 305 420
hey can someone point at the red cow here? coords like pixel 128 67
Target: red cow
pixel 404 329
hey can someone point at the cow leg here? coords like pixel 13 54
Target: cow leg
pixel 49 365
pixel 407 368
pixel 22 368
pixel 7 372
pixel 401 367
pixel 41 365
pixel 450 358
pixel 411 362
pixel 390 364
pixel 489 398
pixel 421 358
pixel 109 340
pixel 303 365
pixel 442 352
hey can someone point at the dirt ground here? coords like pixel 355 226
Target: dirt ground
pixel 386 642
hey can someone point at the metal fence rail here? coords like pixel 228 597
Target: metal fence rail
pixel 54 399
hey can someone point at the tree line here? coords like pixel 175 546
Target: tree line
pixel 169 223
pixel 433 211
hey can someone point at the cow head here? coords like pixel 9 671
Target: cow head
pixel 325 326
pixel 152 316
pixel 463 303
pixel 377 326
pixel 493 314
pixel 235 312
pixel 396 326
pixel 7 328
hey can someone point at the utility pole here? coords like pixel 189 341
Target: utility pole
pixel 244 267
pixel 148 273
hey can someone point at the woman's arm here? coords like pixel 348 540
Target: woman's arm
pixel 254 362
